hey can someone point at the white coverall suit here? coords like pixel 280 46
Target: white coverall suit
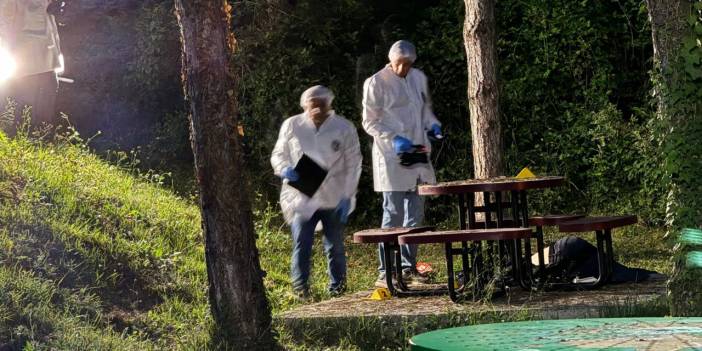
pixel 396 106
pixel 335 147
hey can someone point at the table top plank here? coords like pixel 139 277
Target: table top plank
pixel 491 185
pixel 589 224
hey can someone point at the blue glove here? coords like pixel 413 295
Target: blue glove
pixel 436 129
pixel 290 174
pixel 343 209
pixel 401 144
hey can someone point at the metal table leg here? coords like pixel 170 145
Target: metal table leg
pixel 610 254
pixel 527 242
pixel 388 248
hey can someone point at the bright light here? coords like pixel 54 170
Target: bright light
pixel 61 68
pixel 7 65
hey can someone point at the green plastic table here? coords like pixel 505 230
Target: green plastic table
pixel 620 334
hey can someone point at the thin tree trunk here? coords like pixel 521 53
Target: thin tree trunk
pixel 667 28
pixel 667 19
pixel 237 296
pixel 480 42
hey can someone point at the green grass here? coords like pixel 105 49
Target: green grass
pixel 93 257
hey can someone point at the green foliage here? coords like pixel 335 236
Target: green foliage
pixel 574 102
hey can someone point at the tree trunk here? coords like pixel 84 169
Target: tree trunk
pixel 480 42
pixel 237 296
pixel 678 121
pixel 667 27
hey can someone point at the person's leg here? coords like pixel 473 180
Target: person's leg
pixel 23 92
pixel 393 213
pixel 334 249
pixel 302 236
pixel 414 217
pixel 44 110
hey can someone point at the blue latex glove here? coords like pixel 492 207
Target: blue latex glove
pixel 290 174
pixel 401 144
pixel 343 209
pixel 436 129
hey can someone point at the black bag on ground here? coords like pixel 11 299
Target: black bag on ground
pixel 572 257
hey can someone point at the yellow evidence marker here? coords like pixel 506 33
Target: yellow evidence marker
pixel 525 173
pixel 380 294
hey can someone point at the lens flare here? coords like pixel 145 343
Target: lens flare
pixel 7 65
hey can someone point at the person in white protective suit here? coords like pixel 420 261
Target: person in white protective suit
pixel 332 142
pixel 397 113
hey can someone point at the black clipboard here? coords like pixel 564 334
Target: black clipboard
pixel 311 176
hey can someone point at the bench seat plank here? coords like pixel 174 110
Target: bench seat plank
pixel 589 224
pixel 451 236
pixel 553 219
pixel 384 235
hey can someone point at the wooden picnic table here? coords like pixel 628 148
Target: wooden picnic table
pixel 668 334
pixel 493 190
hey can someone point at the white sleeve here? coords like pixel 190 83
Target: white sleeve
pixel 352 162
pixel 373 105
pixel 281 153
pixel 427 111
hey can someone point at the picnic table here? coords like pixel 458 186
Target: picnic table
pixel 493 190
pixel 622 334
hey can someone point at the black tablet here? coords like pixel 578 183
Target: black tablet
pixel 311 176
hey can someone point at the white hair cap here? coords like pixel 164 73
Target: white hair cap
pixel 402 49
pixel 317 92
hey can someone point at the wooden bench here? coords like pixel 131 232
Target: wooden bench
pixel 471 268
pixel 388 237
pixel 548 220
pixel 602 226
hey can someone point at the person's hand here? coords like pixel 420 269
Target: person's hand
pixel 436 129
pixel 289 174
pixel 343 209
pixel 401 144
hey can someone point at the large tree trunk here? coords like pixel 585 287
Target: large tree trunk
pixel 679 125
pixel 480 42
pixel 237 296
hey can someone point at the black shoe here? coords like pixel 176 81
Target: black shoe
pixel 336 291
pixel 302 294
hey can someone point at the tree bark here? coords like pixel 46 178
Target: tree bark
pixel 667 19
pixel 236 292
pixel 486 130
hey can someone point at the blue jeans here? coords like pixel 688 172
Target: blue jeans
pixel 402 209
pixel 303 235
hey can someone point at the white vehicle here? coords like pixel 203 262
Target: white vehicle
pixel 30 56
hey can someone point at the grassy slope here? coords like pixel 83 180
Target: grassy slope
pixel 93 258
